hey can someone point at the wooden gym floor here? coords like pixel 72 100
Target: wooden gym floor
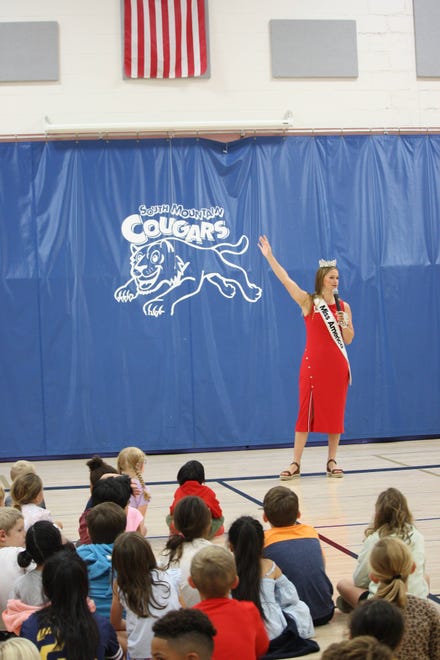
pixel 339 509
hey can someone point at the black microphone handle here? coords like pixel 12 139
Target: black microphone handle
pixel 338 304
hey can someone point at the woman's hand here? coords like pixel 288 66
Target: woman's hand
pixel 264 245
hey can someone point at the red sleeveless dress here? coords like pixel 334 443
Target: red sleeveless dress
pixel 323 379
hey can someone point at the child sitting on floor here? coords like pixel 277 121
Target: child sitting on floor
pixel 191 478
pixel 12 537
pixel 131 461
pixel 192 521
pixel 27 495
pixel 240 628
pixel 392 518
pixel 105 522
pixel 183 635
pixel 296 549
pixel 287 619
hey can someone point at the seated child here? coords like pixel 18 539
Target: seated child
pixel 391 565
pixel 66 628
pixel 296 549
pixel 145 592
pixel 27 495
pixel 185 634
pixel 240 628
pixel 12 537
pixel 191 478
pixel 192 521
pixel 43 539
pixel 105 522
pixel 17 469
pixel 287 619
pixel 359 648
pixel 115 489
pixel 380 619
pixel 18 648
pixel 131 461
pixel 98 468
pixel 392 518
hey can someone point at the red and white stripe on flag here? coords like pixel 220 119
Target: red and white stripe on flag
pixel 164 38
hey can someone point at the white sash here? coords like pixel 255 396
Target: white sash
pixel 333 327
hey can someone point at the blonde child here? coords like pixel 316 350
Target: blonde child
pixel 391 566
pixel 392 518
pixel 131 461
pixel 240 628
pixel 27 495
pixel 18 648
pixel 12 536
pixel 145 592
pixel 17 469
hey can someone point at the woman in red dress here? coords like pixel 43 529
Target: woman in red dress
pixel 325 370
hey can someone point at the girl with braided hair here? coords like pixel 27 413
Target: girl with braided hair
pixel 131 461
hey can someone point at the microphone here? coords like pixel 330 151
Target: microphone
pixel 336 297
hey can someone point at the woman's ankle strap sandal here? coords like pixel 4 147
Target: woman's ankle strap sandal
pixel 287 475
pixel 335 472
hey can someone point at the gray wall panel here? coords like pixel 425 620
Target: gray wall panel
pixel 313 49
pixel 29 51
pixel 427 36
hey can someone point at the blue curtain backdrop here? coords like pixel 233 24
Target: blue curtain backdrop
pixel 137 309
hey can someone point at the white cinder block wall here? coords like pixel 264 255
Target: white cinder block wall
pixel 91 88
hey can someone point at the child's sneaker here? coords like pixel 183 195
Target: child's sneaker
pixel 342 605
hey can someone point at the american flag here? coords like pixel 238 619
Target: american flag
pixel 164 38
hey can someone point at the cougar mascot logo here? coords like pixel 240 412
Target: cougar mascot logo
pixel 161 273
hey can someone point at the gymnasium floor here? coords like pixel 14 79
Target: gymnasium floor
pixel 339 509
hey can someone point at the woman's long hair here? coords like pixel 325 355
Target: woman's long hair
pixel 134 568
pixel 246 538
pixel 66 584
pixel 391 563
pixel 392 515
pixel 192 520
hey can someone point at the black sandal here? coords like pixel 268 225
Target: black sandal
pixel 287 475
pixel 337 473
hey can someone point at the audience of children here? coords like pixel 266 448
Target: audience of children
pixel 27 495
pixel 142 590
pixel 280 593
pixel 380 619
pixel 105 522
pixel 392 518
pixel 191 479
pixel 12 539
pixel 66 628
pixel 131 461
pixel 287 619
pixel 18 648
pixel 192 522
pixel 296 549
pixel 185 634
pixel 391 566
pixel 238 624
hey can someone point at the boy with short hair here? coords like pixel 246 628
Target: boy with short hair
pixel 185 634
pixel 240 629
pixel 296 549
pixel 12 541
pixel 105 522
